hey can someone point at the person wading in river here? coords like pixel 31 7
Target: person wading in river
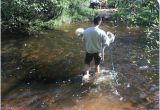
pixel 94 40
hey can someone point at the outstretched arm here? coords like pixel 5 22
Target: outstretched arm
pixel 106 40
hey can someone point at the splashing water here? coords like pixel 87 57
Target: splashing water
pixel 56 50
pixel 105 76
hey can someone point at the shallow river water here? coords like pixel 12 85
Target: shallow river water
pixel 44 72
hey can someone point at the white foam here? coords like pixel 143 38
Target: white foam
pixel 106 76
pixel 86 77
pixel 143 67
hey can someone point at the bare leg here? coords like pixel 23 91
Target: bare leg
pixel 87 68
pixel 97 69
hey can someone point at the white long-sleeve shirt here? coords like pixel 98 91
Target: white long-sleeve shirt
pixel 94 39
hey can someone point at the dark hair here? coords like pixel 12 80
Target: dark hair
pixel 97 20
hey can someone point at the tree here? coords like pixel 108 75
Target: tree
pixel 19 14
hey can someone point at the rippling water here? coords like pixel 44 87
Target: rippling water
pixel 45 72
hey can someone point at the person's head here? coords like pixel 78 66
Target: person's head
pixel 97 20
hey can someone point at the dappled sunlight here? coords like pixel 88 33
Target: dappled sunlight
pixel 105 103
pixel 46 73
pixel 66 95
pixel 42 59
pixel 49 49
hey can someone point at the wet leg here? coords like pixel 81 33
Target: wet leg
pixel 97 70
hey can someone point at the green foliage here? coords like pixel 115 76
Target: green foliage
pixel 152 39
pixel 22 14
pixel 76 10
pixel 138 12
pixel 32 15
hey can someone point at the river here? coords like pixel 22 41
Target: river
pixel 44 72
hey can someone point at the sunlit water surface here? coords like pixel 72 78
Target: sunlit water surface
pixel 45 72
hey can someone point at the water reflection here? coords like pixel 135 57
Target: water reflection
pixel 29 63
pixel 63 95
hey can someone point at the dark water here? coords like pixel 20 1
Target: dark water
pixel 44 72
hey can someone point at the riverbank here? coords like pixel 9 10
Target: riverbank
pixel 106 13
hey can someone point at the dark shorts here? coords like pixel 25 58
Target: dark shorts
pixel 90 56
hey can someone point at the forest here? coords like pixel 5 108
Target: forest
pixel 19 15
